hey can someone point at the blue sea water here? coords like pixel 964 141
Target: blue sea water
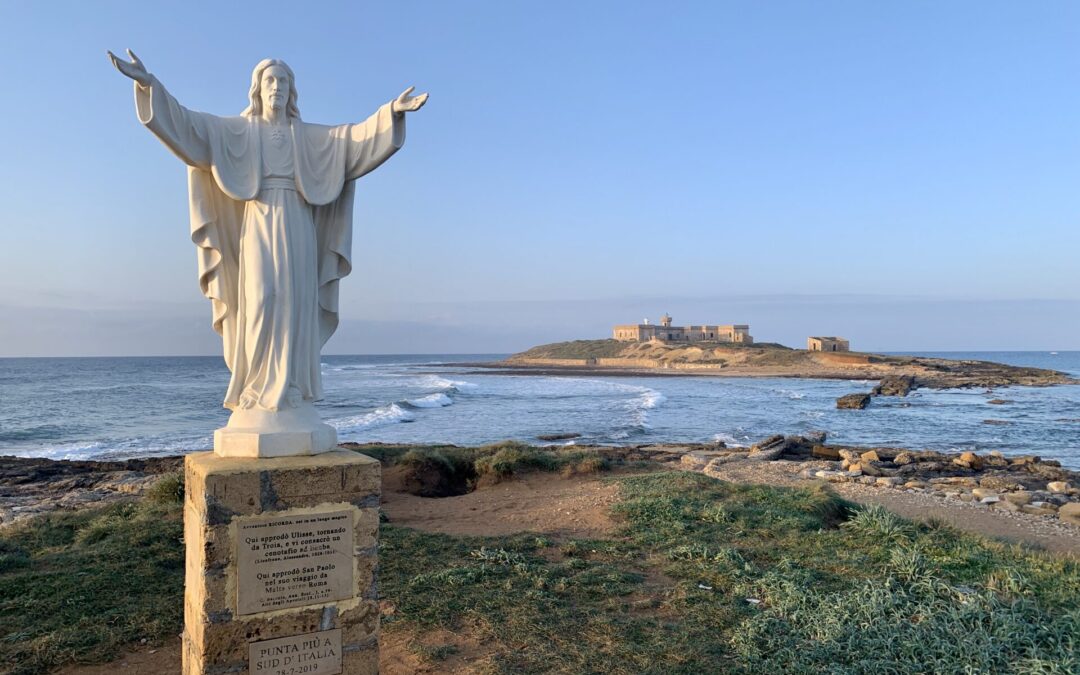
pixel 107 408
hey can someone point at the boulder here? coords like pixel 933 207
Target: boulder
pixel 1058 486
pixel 889 481
pixel 1034 510
pixel 983 493
pixel 969 460
pixel 999 484
pixel 769 449
pixel 825 452
pixel 1070 513
pixel 850 455
pixel 1019 498
pixel 869 469
pixel 1006 505
pixel 816 437
pixel 870 456
pixel 894 385
pixel 904 458
pixel 853 401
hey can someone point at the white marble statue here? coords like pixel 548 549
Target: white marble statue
pixel 271 200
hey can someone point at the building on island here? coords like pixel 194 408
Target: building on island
pixel 827 344
pixel 665 332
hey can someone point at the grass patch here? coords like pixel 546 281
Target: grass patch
pixel 707 576
pixel 442 471
pixel 80 586
pixel 575 349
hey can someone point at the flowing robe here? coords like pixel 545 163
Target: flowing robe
pixel 273 225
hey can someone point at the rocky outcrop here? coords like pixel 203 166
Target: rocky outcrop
pixel 894 385
pixel 29 486
pixel 853 401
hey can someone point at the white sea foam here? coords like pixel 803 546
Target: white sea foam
pixel 728 440
pixel 383 415
pixel 438 382
pixel 436 400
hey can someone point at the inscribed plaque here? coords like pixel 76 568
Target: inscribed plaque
pixel 292 561
pixel 307 654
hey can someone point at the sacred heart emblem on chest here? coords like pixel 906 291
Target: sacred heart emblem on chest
pixel 277 137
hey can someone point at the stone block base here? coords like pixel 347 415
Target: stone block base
pixel 281 564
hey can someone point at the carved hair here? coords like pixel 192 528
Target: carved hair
pixel 254 108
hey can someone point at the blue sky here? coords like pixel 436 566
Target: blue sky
pixel 906 174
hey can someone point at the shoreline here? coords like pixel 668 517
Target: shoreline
pixel 553 370
pixel 1020 498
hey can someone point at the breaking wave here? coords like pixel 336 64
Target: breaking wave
pixel 383 415
pixel 436 400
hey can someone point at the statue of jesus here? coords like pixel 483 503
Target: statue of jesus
pixel 271 200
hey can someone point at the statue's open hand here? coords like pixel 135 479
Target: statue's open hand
pixel 406 103
pixel 135 69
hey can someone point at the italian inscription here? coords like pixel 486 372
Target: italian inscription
pixel 292 561
pixel 311 653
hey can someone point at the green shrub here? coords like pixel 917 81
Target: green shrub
pixel 168 490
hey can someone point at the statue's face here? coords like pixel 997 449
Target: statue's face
pixel 274 88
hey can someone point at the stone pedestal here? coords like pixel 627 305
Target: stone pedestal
pixel 281 564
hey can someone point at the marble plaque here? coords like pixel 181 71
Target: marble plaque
pixel 291 561
pixel 307 654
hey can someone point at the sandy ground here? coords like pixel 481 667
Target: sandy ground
pixel 579 507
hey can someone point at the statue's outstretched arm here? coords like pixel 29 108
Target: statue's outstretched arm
pixel 133 69
pixel 185 132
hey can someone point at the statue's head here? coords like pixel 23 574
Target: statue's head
pixel 273 86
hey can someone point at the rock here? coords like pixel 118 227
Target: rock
pixel 1058 486
pixel 915 485
pixel 990 500
pixel 1034 510
pixel 969 460
pixel 995 461
pixel 908 469
pixel 894 385
pixel 998 401
pixel 769 449
pixel 825 452
pixel 966 496
pixel 1006 505
pixel 564 437
pixel 983 493
pixel 695 461
pixel 867 480
pixel 850 455
pixel 1070 513
pixel 855 470
pixel 1046 506
pixel 870 456
pixel 816 437
pixel 1024 460
pixel 1019 498
pixel 853 401
pixel 889 481
pixel 999 484
pixel 904 458
pixel 869 469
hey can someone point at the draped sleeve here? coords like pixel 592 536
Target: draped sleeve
pixel 373 141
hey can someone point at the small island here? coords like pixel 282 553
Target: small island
pixel 733 359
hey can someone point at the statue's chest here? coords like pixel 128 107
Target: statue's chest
pixel 277 150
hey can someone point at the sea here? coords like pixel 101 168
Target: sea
pixel 118 408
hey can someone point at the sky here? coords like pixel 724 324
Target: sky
pixel 905 174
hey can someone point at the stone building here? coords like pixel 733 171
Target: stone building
pixel 665 332
pixel 827 344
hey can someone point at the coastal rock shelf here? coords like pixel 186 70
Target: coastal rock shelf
pixel 1026 485
pixel 773 360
